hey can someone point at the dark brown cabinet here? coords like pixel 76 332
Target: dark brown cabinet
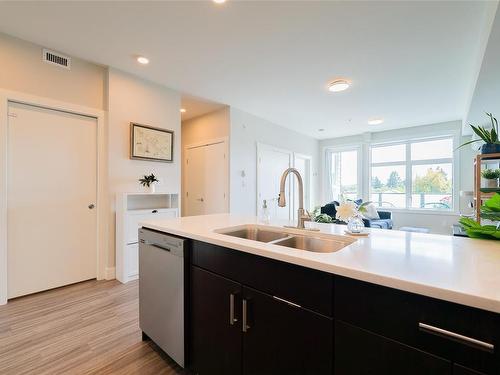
pixel 215 343
pixel 461 370
pixel 236 329
pixel 283 338
pixel 250 315
pixel 359 352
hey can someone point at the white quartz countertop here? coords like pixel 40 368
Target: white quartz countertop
pixel 456 269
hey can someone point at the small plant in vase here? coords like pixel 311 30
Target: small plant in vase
pixel 149 182
pixel 491 176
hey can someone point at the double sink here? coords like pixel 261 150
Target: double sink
pixel 312 241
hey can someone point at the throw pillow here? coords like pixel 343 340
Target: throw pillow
pixel 371 212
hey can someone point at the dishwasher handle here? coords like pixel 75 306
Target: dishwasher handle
pixel 174 250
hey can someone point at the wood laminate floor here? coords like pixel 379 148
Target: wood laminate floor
pixel 86 328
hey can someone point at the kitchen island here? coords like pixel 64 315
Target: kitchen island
pixel 391 302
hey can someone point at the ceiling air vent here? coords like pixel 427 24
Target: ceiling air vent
pixel 55 58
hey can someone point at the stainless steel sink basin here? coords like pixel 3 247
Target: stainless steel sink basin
pixel 317 245
pixel 257 234
pixel 319 242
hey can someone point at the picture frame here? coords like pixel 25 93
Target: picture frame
pixel 151 143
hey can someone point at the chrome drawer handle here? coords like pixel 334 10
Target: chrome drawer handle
pixel 245 326
pixel 456 337
pixel 232 319
pixel 287 302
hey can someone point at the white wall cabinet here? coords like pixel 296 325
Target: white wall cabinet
pixel 132 209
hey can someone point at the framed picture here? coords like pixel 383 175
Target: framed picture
pixel 149 143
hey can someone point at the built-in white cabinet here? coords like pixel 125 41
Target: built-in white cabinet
pixel 132 209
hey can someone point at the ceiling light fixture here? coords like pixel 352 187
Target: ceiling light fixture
pixel 219 1
pixel 375 121
pixel 183 110
pixel 142 60
pixel 338 85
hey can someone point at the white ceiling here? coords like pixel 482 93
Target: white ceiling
pixel 486 96
pixel 410 62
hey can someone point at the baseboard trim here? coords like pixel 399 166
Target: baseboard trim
pixel 110 273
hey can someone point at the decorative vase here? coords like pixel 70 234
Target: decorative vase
pixel 490 148
pixel 355 225
pixel 152 188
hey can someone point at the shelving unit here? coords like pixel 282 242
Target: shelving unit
pixel 131 209
pixel 483 193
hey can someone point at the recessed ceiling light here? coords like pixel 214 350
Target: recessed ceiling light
pixel 142 60
pixel 338 85
pixel 375 121
pixel 183 110
pixel 321 130
pixel 219 1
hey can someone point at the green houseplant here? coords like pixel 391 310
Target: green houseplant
pixel 490 137
pixel 489 210
pixel 149 181
pixel 492 176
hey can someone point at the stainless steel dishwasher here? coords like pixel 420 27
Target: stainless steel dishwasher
pixel 161 291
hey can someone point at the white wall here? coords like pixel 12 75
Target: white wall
pixel 210 126
pixel 127 99
pixel 437 222
pixel 131 99
pixel 22 69
pixel 206 127
pixel 246 131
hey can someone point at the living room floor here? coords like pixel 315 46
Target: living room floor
pixel 86 328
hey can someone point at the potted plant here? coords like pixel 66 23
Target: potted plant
pixel 491 176
pixel 490 210
pixel 489 137
pixel 149 182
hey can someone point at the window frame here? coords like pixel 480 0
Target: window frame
pixel 359 175
pixel 409 163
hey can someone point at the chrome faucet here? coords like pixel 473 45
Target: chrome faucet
pixel 302 215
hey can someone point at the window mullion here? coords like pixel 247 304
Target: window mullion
pixel 408 180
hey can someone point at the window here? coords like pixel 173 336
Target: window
pixel 343 174
pixel 414 175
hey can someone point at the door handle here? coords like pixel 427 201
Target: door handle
pixel 245 327
pixel 200 199
pixel 232 319
pixel 91 206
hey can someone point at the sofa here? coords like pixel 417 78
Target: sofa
pixel 385 221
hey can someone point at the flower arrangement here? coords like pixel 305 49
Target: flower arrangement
pixel 349 210
pixel 350 213
pixel 346 210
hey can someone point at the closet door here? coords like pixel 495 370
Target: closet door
pixel 52 192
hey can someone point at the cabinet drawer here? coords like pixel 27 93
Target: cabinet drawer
pixel 361 352
pixel 308 288
pixel 436 326
pixel 133 219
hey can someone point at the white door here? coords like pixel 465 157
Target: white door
pixel 52 184
pixel 206 180
pixel 272 162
